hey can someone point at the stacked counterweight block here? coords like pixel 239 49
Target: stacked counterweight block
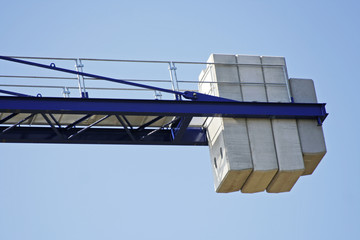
pixel 253 155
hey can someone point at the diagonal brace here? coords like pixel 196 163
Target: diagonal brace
pixel 18 123
pixel 160 128
pixel 179 131
pixel 142 127
pixel 86 128
pixel 51 125
pixel 125 128
pixel 78 121
pixel 8 118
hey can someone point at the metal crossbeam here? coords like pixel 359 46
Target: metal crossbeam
pixel 88 127
pixel 78 121
pixel 166 125
pixel 176 132
pixel 162 108
pixel 149 123
pixel 16 124
pixel 55 121
pixel 127 122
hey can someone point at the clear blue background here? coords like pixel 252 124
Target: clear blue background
pixel 137 192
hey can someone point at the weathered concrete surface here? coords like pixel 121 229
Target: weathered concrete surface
pixel 231 156
pixel 263 155
pixel 286 137
pixel 275 76
pixel 228 138
pixel 261 139
pixel 288 150
pixel 311 135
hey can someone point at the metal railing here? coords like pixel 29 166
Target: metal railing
pixel 65 84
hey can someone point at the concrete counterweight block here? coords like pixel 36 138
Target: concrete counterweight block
pixel 253 155
pixel 230 155
pixel 260 130
pixel 285 134
pixel 228 138
pixel 225 77
pixel 275 75
pixel 251 78
pixel 263 155
pixel 288 149
pixel 311 135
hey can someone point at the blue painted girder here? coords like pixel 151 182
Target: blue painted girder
pixel 176 133
pixel 163 108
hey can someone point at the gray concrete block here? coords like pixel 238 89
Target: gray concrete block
pixel 260 130
pixel 251 78
pixel 277 93
pixel 311 135
pixel 228 139
pixel 289 155
pixel 303 90
pixel 273 60
pixel 231 91
pixel 250 73
pixel 263 155
pixel 214 126
pixel 230 156
pixel 312 144
pixel 254 93
pixel 224 73
pixel 237 143
pixel 276 79
pixel 274 74
pixel 256 154
pixel 248 59
pixel 225 76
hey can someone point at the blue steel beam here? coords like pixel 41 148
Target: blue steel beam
pixel 163 108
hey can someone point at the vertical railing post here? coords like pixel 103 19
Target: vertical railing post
pixel 173 78
pixel 66 92
pixel 81 81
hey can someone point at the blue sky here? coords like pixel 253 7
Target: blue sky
pixel 148 192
